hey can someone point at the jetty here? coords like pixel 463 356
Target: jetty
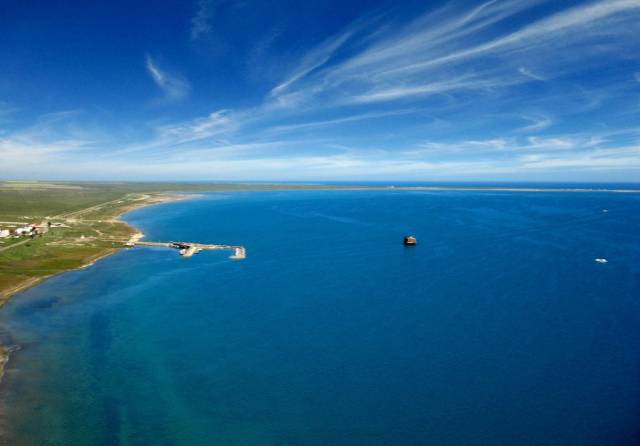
pixel 188 249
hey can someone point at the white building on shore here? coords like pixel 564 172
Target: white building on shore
pixel 25 230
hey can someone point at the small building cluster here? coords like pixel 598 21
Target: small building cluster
pixel 24 230
pixel 30 230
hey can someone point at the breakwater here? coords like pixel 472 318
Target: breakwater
pixel 187 249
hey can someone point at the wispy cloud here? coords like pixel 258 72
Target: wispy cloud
pixel 312 61
pixel 505 81
pixel 537 123
pixel 441 53
pixel 52 137
pixel 423 56
pixel 510 145
pixel 217 123
pixel 201 21
pixel 529 157
pixel 174 86
pixel 337 121
pixel 626 157
pixel 530 74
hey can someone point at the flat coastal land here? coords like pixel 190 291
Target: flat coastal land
pixel 75 228
pixel 78 223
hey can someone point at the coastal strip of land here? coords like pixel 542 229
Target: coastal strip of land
pixel 76 223
pixel 512 189
pixel 69 240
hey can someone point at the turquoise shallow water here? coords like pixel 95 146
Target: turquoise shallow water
pixel 499 328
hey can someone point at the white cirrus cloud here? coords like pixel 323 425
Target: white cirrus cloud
pixel 174 86
pixel 422 57
pixel 537 123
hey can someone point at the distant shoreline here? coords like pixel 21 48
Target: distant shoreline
pixel 195 187
pixel 31 282
pixel 490 189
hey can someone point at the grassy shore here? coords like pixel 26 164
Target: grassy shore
pixel 90 230
pixel 88 213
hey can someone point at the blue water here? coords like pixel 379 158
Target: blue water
pixel 498 329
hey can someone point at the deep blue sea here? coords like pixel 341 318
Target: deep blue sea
pixel 499 328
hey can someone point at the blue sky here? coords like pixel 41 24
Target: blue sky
pixel 506 90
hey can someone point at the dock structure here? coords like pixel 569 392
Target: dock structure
pixel 187 249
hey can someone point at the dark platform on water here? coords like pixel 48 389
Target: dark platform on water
pixel 410 240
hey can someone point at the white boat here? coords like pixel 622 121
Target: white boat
pixel 600 260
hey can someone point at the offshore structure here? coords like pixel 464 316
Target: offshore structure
pixel 410 240
pixel 187 249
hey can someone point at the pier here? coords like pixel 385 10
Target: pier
pixel 188 249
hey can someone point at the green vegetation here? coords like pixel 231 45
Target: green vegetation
pixel 90 229
pixel 40 202
pixel 89 213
